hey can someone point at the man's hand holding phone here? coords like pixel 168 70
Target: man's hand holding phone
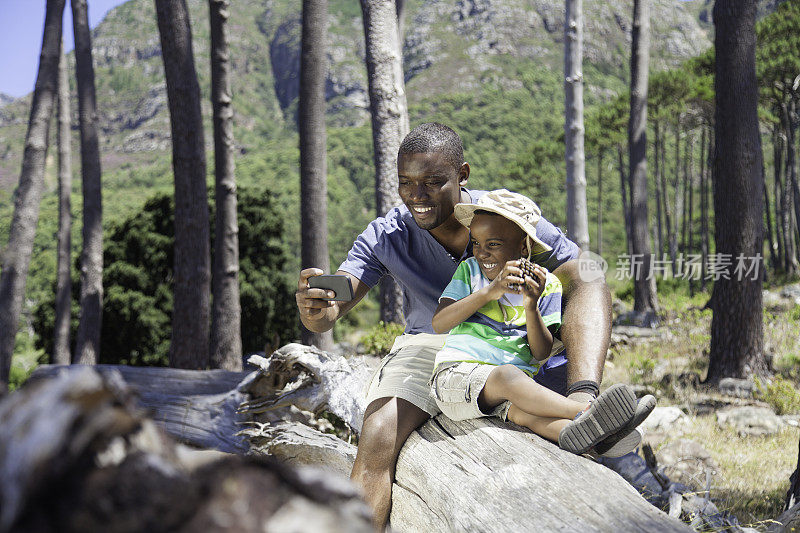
pixel 318 296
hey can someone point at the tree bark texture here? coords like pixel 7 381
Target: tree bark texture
pixel 87 343
pixel 644 285
pixel 704 206
pixel 17 256
pixel 600 203
pixel 736 326
pixel 659 246
pixel 61 325
pixel 444 468
pixel 788 112
pixel 77 454
pixel 313 149
pixel 662 184
pixel 226 321
pixel 626 211
pixel 577 210
pixel 389 111
pixel 677 212
pixel 190 313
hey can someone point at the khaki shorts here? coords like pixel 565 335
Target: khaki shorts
pixel 406 371
pixel 456 389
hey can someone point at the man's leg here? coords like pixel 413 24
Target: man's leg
pixel 586 326
pixel 387 424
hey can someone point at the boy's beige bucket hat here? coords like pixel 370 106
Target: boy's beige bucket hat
pixel 515 207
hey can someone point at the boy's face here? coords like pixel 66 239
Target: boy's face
pixel 429 186
pixel 495 241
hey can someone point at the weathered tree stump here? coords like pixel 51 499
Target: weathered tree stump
pixel 76 454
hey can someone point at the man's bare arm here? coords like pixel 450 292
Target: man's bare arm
pixel 586 323
pixel 320 315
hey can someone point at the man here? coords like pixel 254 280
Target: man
pixel 420 244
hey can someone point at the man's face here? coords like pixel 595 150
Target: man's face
pixel 429 186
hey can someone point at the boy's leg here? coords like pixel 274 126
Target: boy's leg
pixel 507 382
pixel 546 427
pixel 387 424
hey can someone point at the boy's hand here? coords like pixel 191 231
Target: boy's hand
pixel 510 275
pixel 534 287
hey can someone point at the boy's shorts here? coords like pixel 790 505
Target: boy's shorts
pixel 406 371
pixel 456 389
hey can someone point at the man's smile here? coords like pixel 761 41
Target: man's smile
pixel 422 209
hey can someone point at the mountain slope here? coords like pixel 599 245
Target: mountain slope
pixel 449 48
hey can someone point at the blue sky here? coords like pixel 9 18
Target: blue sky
pixel 21 25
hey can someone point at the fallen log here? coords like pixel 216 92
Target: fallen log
pixel 474 475
pixel 197 408
pixel 76 454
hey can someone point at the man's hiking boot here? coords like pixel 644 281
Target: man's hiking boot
pixel 628 438
pixel 609 413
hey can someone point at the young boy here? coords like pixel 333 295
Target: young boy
pixel 501 321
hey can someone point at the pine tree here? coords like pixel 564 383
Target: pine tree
pixel 190 315
pixel 17 256
pixel 226 328
pixel 87 343
pixel 313 152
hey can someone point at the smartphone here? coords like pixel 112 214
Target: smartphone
pixel 338 283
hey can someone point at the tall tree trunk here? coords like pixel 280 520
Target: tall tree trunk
pixel 665 204
pixel 313 153
pixel 61 324
pixel 192 271
pixel 87 344
pixel 688 147
pixel 791 163
pixel 226 320
pixel 737 323
pixel 690 212
pixel 577 212
pixel 17 256
pixel 389 112
pixel 600 154
pixel 773 258
pixel 790 265
pixel 678 204
pixel 644 284
pixel 777 189
pixel 657 175
pixel 705 246
pixel 400 9
pixel 626 210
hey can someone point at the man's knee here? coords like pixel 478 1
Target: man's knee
pixel 387 424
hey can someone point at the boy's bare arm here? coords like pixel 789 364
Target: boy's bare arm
pixel 451 313
pixel 540 340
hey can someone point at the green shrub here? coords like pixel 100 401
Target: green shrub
pixel 780 394
pixel 137 304
pixel 379 340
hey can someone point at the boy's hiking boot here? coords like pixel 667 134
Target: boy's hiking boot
pixel 628 438
pixel 608 414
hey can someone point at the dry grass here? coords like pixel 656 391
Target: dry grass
pixel 753 472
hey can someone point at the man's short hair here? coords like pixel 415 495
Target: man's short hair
pixel 434 137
